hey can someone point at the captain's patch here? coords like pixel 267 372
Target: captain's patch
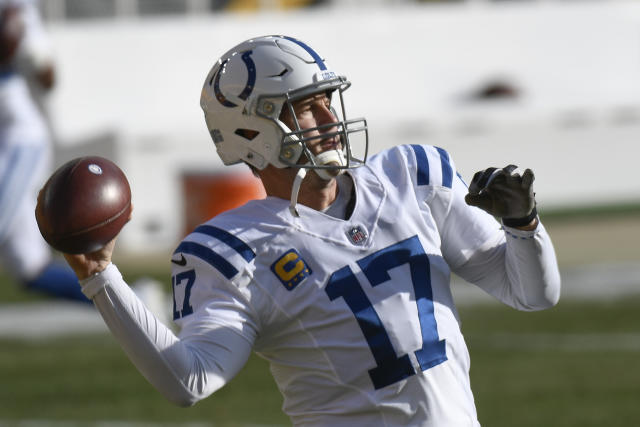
pixel 290 269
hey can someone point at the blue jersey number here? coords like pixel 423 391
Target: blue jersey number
pixel 391 368
pixel 183 282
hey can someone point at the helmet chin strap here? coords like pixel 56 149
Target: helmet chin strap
pixel 302 172
pixel 330 157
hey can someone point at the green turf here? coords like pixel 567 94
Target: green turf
pixel 518 381
pixel 574 365
pixel 617 210
pixel 89 379
pixel 515 380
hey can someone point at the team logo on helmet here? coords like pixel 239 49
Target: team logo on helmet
pixel 251 80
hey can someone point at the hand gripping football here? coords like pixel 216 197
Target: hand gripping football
pixel 83 205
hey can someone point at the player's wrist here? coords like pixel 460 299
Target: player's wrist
pixel 527 222
pixel 85 268
pixel 94 283
pixel 98 268
pixel 529 227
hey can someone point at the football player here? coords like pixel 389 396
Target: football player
pixel 340 277
pixel 26 72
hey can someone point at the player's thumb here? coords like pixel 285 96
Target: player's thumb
pixel 527 178
pixel 482 201
pixel 130 213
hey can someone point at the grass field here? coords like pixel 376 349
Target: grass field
pixel 577 364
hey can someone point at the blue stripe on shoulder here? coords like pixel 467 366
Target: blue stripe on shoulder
pixel 447 170
pixel 423 164
pixel 209 256
pixel 232 241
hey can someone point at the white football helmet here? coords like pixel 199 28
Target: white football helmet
pixel 248 87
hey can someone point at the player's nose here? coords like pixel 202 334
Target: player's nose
pixel 324 117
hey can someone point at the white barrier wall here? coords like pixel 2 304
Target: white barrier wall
pixel 576 121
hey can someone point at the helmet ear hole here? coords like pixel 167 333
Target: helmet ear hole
pixel 248 134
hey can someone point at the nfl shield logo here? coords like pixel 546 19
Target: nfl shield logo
pixel 357 235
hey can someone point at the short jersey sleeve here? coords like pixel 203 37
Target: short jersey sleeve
pixel 440 190
pixel 211 273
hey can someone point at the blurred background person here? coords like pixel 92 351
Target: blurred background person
pixel 26 76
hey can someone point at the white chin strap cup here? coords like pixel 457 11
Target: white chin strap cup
pixel 331 157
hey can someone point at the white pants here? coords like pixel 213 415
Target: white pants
pixel 23 171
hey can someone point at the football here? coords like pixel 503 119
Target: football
pixel 83 205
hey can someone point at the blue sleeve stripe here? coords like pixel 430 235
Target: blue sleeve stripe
pixel 209 256
pixel 229 239
pixel 423 164
pixel 447 170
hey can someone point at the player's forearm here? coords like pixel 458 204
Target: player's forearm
pixel 532 268
pixel 518 268
pixel 165 361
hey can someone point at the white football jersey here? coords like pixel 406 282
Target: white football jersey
pixel 21 121
pixel 25 151
pixel 356 316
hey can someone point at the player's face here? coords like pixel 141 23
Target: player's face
pixel 312 112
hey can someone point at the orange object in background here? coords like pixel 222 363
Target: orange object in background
pixel 208 194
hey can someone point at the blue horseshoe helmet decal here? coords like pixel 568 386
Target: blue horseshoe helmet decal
pixel 251 80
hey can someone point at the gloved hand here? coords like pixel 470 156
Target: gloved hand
pixel 504 194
